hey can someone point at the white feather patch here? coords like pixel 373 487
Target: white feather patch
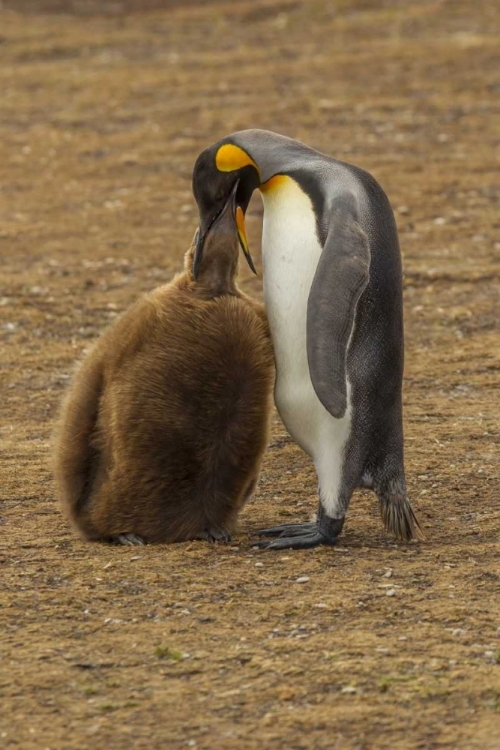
pixel 291 252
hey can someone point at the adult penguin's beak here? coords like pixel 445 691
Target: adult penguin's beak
pixel 239 220
pixel 242 236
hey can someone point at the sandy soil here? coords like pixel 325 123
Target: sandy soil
pixel 384 645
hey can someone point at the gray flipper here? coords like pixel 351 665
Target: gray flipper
pixel 341 276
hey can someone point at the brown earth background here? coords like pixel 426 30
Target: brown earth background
pixel 104 107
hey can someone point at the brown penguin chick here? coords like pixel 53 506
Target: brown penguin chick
pixel 164 427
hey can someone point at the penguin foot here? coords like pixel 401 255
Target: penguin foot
pixel 302 535
pixel 215 535
pixel 304 541
pixel 288 529
pixel 129 540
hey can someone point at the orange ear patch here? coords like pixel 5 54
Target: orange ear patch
pixel 229 158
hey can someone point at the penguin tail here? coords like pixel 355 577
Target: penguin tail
pixel 399 517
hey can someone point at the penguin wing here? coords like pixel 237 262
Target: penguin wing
pixel 341 276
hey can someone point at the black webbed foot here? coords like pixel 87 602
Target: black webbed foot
pixel 288 529
pixel 302 535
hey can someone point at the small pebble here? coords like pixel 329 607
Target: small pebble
pixel 259 565
pixel 349 689
pixel 390 592
pixel 302 579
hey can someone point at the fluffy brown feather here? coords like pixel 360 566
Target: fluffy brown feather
pixel 166 421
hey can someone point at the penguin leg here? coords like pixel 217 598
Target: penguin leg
pixel 336 486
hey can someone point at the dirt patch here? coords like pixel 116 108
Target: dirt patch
pixel 384 645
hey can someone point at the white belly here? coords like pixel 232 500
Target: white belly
pixel 290 253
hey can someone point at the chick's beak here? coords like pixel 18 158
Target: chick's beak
pixel 239 219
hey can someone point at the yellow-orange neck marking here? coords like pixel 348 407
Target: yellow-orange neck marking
pixel 275 183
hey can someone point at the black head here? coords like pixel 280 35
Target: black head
pixel 215 184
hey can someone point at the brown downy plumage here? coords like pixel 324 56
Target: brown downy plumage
pixel 162 433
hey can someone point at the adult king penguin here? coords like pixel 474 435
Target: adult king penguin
pixel 333 295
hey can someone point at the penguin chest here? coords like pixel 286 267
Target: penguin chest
pixel 291 251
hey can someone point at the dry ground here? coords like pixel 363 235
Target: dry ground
pixel 385 645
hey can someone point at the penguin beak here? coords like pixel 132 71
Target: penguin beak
pixel 239 219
